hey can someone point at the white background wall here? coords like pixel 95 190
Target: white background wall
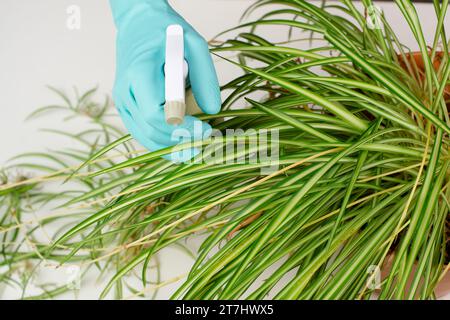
pixel 37 49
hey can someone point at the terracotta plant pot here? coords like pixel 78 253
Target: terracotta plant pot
pixel 443 287
pixel 441 290
pixel 415 58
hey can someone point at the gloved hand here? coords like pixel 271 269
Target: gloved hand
pixel 139 88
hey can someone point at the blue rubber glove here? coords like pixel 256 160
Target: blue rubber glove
pixel 139 88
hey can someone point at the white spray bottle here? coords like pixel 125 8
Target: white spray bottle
pixel 178 101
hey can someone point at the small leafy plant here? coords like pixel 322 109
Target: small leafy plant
pixel 364 173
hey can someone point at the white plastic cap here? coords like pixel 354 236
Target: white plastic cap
pixel 174 111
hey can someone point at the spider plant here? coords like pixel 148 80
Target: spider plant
pixel 363 135
pixel 29 188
